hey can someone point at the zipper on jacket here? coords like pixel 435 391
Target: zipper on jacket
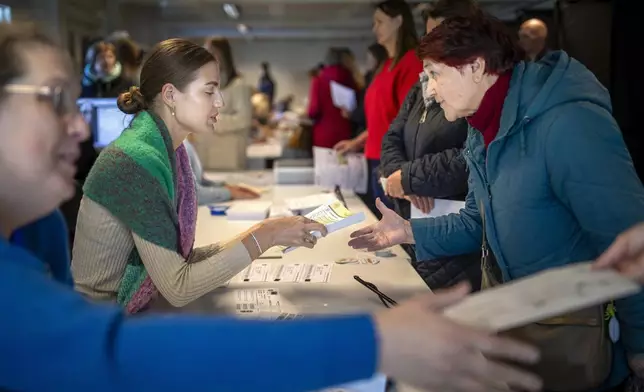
pixel 423 117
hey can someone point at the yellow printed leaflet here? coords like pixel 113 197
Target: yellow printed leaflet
pixel 334 212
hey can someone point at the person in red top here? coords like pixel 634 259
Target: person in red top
pixel 393 25
pixel 330 126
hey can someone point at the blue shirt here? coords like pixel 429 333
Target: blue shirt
pixel 54 340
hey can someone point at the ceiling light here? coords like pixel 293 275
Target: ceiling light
pixel 231 10
pixel 242 28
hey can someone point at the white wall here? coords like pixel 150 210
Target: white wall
pixel 290 61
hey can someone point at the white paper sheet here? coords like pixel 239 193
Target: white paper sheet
pixel 254 301
pixel 541 296
pixel 248 210
pixel 279 212
pixel 315 273
pixel 349 172
pixel 286 273
pixel 256 272
pixel 310 202
pixel 343 97
pixel 441 207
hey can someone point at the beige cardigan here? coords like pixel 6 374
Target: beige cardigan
pixel 225 148
pixel 102 247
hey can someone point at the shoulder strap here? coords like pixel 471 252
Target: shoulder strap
pixel 485 251
pixel 491 274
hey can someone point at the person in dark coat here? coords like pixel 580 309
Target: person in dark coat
pixel 103 76
pixel 422 152
pixel 422 160
pixel 266 83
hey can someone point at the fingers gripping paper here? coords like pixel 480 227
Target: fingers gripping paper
pixel 541 296
pixel 335 216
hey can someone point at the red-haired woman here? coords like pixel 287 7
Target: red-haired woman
pixel 550 180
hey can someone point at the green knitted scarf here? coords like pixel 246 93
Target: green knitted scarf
pixel 144 183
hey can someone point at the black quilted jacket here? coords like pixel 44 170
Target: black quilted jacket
pixel 428 150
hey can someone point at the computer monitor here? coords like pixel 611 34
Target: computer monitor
pixel 106 120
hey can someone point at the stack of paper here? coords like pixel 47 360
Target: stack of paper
pixel 541 296
pixel 280 212
pixel 294 172
pixel 335 216
pixel 306 204
pixel 349 172
pixel 249 210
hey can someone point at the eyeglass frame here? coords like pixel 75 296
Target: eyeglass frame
pixel 55 94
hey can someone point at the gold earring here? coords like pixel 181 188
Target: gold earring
pixel 172 112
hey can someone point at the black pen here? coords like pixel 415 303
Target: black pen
pixel 375 290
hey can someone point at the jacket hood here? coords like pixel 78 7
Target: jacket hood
pixel 555 80
pixel 90 77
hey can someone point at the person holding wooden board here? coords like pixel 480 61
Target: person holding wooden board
pixel 551 183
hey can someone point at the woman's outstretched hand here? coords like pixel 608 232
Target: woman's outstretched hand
pixel 391 230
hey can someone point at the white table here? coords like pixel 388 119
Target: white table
pixel 342 294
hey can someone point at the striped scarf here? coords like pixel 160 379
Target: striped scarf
pixel 149 187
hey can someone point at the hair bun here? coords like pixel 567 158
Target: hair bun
pixel 132 101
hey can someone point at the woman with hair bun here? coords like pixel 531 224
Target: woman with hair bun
pixel 137 219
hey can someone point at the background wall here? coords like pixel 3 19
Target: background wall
pixel 290 61
pixel 71 22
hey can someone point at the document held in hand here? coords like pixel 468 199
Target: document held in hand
pixel 343 97
pixel 537 297
pixel 334 216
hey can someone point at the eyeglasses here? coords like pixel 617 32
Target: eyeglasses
pixel 62 101
pixel 386 300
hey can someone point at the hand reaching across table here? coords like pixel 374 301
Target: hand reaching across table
pixel 241 193
pixel 391 230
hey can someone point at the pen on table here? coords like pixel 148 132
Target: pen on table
pixel 375 290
